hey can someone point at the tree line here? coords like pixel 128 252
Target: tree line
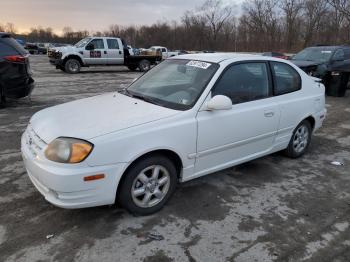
pixel 261 25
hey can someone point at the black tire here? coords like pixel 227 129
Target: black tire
pixel 132 67
pixel 2 98
pixel 144 65
pixel 298 143
pixel 131 182
pixel 72 66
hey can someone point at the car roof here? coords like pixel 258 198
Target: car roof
pixel 3 34
pixel 217 57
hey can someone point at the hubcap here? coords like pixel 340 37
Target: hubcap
pixel 150 186
pixel 73 66
pixel 301 139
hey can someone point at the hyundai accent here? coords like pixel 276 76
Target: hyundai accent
pixel 189 116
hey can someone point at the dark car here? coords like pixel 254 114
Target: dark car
pixel 15 75
pixel 276 54
pixel 36 48
pixel 329 63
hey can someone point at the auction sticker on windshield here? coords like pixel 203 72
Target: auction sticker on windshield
pixel 198 64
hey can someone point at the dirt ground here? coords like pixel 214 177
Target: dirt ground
pixel 271 209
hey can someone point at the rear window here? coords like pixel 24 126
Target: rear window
pixel 8 43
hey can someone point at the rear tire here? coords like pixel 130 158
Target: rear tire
pixel 2 98
pixel 148 185
pixel 300 140
pixel 144 65
pixel 72 66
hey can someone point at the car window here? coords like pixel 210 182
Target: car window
pixel 98 43
pixel 112 44
pixel 338 55
pixel 163 50
pixel 6 50
pixel 9 42
pixel 286 78
pixel 243 82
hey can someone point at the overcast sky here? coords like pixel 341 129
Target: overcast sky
pixel 92 15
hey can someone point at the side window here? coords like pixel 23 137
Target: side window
pixel 98 43
pixel 338 55
pixel 112 44
pixel 244 82
pixel 163 50
pixel 286 78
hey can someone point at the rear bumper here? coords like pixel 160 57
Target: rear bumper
pixel 17 88
pixel 320 117
pixel 64 186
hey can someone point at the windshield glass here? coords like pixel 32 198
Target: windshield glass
pixel 82 42
pixel 316 54
pixel 175 84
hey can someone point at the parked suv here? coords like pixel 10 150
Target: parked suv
pixel 330 63
pixel 15 75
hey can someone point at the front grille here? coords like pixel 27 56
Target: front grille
pixel 53 54
pixel 34 143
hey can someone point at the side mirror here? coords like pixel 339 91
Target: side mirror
pixel 219 102
pixel 89 47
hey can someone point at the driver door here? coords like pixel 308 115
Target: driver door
pixel 248 130
pixel 97 56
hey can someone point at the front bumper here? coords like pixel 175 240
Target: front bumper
pixel 63 185
pixel 56 62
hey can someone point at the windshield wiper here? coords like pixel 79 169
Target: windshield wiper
pixel 138 96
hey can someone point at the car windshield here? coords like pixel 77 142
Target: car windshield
pixel 82 42
pixel 316 54
pixel 175 83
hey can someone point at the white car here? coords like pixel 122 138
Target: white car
pixel 189 116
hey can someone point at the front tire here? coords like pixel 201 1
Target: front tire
pixel 148 185
pixel 72 66
pixel 300 140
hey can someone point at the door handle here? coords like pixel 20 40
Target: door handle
pixel 269 114
pixel 105 52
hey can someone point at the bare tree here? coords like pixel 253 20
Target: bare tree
pixel 291 10
pixel 314 11
pixel 215 14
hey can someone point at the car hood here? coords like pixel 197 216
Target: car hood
pixel 305 63
pixel 65 49
pixel 95 116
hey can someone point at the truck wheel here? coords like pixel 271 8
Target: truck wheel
pixel 144 65
pixel 132 67
pixel 72 66
pixel 148 185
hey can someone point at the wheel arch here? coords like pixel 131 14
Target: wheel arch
pixel 311 119
pixel 73 56
pixel 172 155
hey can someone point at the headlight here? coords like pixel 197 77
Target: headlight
pixel 68 150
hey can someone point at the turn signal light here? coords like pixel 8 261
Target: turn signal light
pixel 94 177
pixel 15 58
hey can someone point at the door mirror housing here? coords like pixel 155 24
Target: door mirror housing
pixel 219 102
pixel 90 47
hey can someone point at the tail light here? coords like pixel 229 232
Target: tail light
pixel 16 58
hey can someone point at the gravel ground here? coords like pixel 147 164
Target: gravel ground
pixel 271 209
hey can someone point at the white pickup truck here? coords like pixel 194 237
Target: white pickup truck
pixel 96 51
pixel 164 51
